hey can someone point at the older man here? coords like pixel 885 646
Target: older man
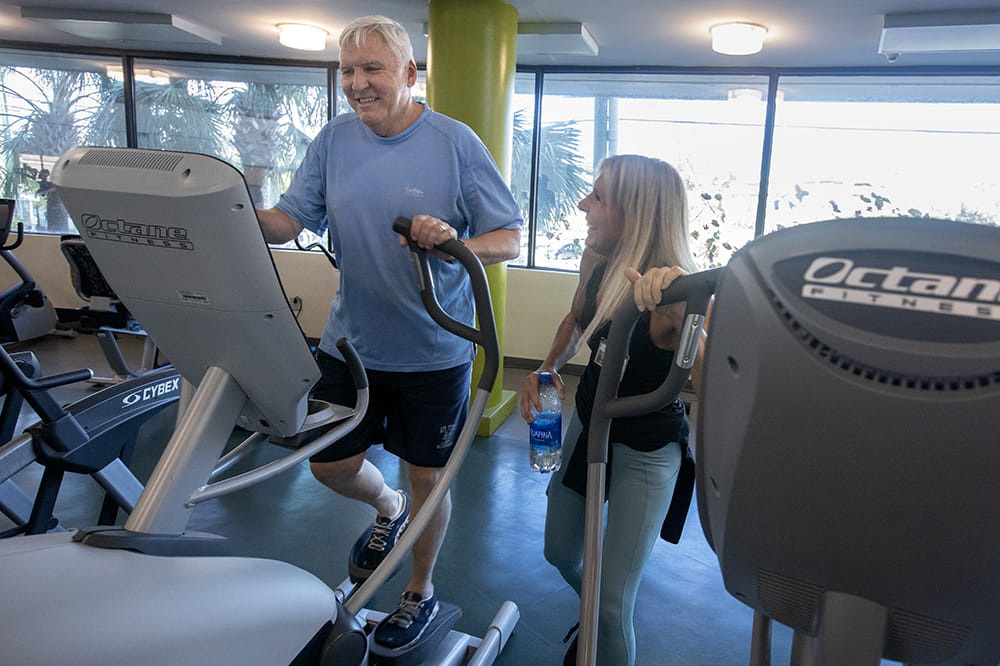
pixel 395 157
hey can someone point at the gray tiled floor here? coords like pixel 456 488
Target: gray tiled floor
pixel 493 551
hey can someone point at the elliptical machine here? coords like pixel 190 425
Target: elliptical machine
pixel 152 592
pixel 95 435
pixel 846 439
pixel 92 436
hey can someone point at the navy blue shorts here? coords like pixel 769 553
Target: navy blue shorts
pixel 415 415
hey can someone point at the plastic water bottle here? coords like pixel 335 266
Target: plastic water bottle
pixel 545 439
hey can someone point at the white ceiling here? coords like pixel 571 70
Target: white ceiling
pixel 802 33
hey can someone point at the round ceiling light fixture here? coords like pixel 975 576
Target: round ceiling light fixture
pixel 301 36
pixel 737 37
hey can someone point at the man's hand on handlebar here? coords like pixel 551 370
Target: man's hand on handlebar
pixel 428 232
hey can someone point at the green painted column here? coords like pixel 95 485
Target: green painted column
pixel 471 61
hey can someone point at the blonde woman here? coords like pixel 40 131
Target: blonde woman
pixel 637 244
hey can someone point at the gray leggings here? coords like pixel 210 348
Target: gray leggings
pixel 642 483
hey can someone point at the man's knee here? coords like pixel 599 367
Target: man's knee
pixel 337 471
pixel 424 477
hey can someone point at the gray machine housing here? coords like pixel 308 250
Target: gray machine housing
pixel 177 236
pixel 847 437
pixel 72 603
pixel 151 229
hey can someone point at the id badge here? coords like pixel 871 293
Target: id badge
pixel 602 347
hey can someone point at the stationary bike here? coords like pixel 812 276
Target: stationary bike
pixel 104 315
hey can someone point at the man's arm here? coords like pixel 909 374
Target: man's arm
pixel 496 246
pixel 491 247
pixel 277 225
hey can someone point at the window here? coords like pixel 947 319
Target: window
pixel 520 160
pixel 50 103
pixel 710 128
pixel 844 143
pixel 886 147
pixel 258 118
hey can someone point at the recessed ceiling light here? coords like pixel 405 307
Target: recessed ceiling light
pixel 737 38
pixel 302 37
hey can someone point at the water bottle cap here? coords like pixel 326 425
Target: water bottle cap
pixel 544 378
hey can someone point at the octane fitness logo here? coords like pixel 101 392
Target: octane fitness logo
pixel 137 233
pixel 153 392
pixel 901 288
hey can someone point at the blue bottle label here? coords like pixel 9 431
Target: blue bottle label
pixel 545 433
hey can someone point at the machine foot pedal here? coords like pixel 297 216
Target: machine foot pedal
pixel 447 616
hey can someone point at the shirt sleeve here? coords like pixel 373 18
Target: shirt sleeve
pixel 490 203
pixel 305 199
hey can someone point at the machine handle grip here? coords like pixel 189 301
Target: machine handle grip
pixel 35 391
pixel 354 363
pixel 697 290
pixel 486 335
pixel 317 246
pixel 17 240
pixel 23 382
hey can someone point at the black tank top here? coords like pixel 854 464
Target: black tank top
pixel 646 369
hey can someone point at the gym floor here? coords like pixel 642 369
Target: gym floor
pixel 493 551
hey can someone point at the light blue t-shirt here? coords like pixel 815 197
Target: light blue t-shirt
pixel 358 183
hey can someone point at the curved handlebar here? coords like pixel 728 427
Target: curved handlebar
pixel 697 290
pixel 258 474
pixel 17 241
pixel 486 335
pixel 36 391
pixel 25 383
pixel 317 246
pixel 354 363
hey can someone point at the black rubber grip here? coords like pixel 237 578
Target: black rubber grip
pixel 354 363
pixel 486 334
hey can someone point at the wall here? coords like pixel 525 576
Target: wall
pixel 537 299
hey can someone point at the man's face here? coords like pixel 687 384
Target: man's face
pixel 377 85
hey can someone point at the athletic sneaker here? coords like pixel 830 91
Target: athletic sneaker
pixel 406 624
pixel 375 543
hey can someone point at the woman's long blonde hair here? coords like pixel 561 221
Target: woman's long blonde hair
pixel 652 199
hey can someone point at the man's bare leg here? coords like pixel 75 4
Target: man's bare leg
pixel 428 545
pixel 356 478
